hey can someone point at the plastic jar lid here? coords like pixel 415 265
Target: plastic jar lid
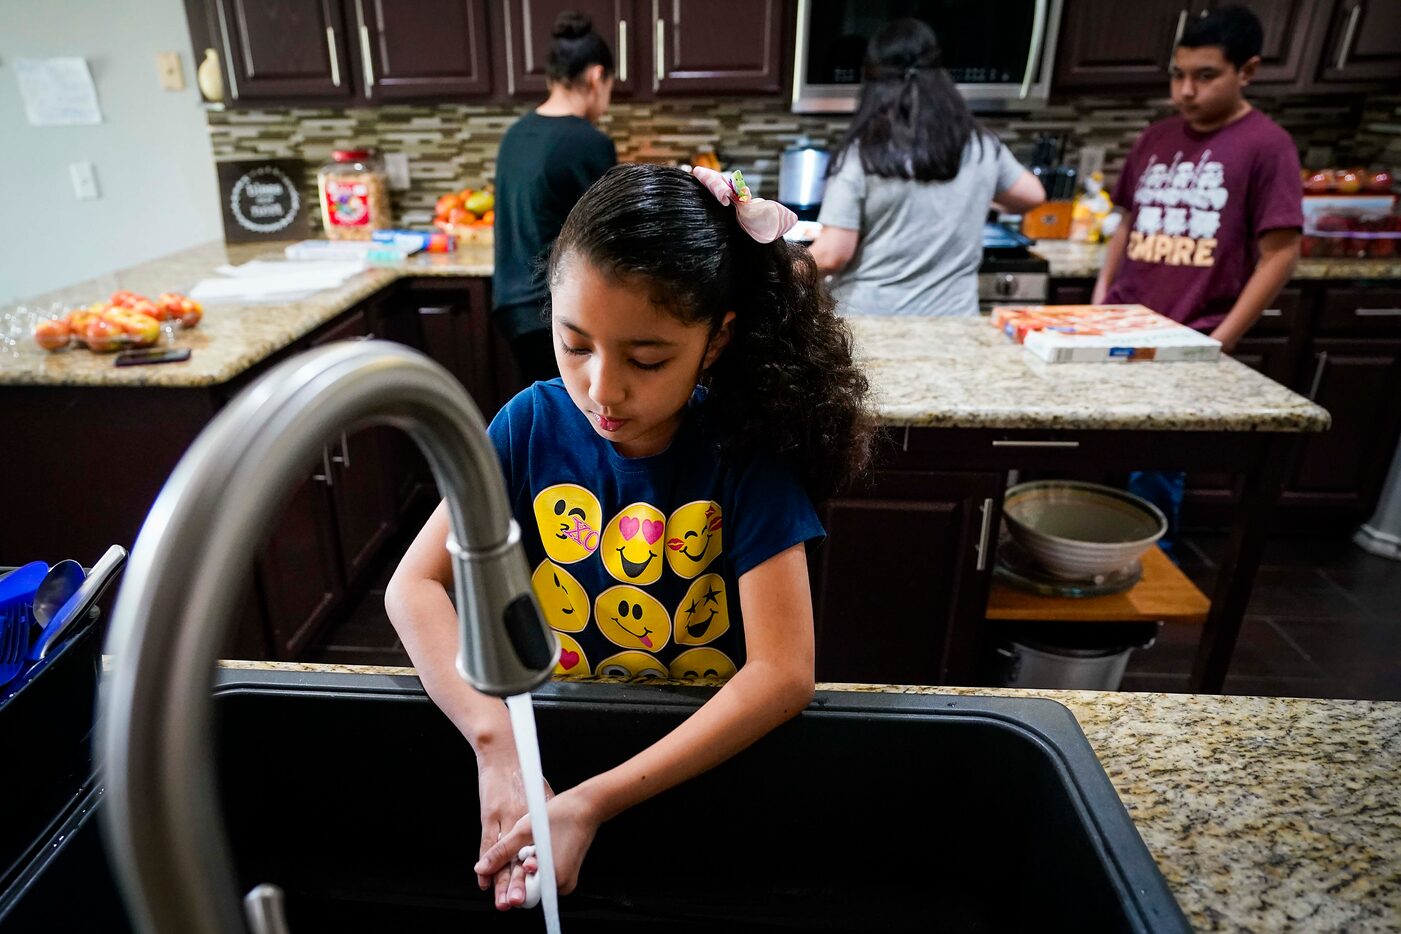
pixel 350 155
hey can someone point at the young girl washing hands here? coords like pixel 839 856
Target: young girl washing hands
pixel 664 489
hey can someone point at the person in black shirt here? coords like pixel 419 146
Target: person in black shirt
pixel 547 160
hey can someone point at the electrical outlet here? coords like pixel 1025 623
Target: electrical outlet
pixel 396 166
pixel 172 75
pixel 1091 160
pixel 84 181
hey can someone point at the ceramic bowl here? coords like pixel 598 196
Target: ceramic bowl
pixel 1081 531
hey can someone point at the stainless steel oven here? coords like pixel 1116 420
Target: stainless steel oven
pixel 1000 53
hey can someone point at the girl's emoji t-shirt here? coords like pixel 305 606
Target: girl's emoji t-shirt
pixel 636 561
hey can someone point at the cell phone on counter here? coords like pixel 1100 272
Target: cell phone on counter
pixel 152 355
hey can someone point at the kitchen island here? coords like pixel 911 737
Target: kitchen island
pixel 959 406
pixel 1263 814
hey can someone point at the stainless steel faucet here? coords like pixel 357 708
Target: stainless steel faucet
pixel 161 811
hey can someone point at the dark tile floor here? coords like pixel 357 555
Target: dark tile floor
pixel 1324 621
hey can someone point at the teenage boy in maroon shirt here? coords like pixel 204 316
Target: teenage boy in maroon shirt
pixel 1211 204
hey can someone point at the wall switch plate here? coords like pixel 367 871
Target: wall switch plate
pixel 396 166
pixel 84 181
pixel 172 75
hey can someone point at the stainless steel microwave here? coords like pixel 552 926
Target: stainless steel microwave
pixel 1000 53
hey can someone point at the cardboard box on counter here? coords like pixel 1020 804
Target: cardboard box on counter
pixel 1102 334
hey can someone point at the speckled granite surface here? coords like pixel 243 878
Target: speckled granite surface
pixel 1264 814
pixel 1077 260
pixel 927 372
pixel 232 337
pixel 960 372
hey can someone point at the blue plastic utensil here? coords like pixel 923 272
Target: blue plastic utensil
pixel 16 593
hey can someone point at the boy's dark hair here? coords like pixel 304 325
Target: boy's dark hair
pixel 911 122
pixel 1234 28
pixel 786 385
pixel 576 46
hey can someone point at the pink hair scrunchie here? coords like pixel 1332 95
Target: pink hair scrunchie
pixel 763 220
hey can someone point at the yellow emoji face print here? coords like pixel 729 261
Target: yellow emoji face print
pixel 569 518
pixel 704 613
pixel 563 599
pixel 632 618
pixel 631 665
pixel 632 544
pixel 693 538
pixel 572 660
pixel 702 665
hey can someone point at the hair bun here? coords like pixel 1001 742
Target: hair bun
pixel 571 24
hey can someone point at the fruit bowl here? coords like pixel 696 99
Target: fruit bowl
pixel 1081 531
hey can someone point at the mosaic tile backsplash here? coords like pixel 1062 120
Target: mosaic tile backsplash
pixel 450 146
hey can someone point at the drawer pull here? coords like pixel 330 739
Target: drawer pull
pixel 983 534
pixel 1272 313
pixel 1036 444
pixel 1377 312
pixel 1322 357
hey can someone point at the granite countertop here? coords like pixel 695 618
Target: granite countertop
pixel 1071 260
pixel 1264 814
pixel 935 372
pixel 231 337
pixel 963 373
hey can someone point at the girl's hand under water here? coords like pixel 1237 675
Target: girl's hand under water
pixel 503 807
pixel 573 823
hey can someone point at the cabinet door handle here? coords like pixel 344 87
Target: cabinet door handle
pixel 365 56
pixel 228 51
pixel 623 51
pixel 1322 357
pixel 1272 313
pixel 1035 444
pixel 983 534
pixel 1377 312
pixel 660 71
pixel 344 458
pixel 335 59
pixel 1177 35
pixel 1033 52
pixel 325 475
pixel 1346 47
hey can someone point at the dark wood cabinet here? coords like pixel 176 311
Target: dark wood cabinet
pixel 702 46
pixel 529 24
pixel 1343 469
pixel 421 49
pixel 1363 44
pixel 1288 28
pixel 897 582
pixel 282 49
pixel 1108 44
pixel 359 477
pixel 298 568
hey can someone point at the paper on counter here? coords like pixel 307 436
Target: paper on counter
pixel 263 281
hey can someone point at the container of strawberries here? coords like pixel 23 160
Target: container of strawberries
pixel 124 321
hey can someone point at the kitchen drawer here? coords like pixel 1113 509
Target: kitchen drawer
pixel 1361 311
pixel 1280 314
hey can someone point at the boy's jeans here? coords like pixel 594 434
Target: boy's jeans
pixel 1164 489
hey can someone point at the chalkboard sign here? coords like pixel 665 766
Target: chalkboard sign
pixel 262 200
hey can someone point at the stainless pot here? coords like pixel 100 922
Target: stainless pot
pixel 802 176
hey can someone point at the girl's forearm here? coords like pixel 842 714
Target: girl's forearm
pixel 755 701
pixel 425 620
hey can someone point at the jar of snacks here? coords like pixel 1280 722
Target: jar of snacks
pixel 354 192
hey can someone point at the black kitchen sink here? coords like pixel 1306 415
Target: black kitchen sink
pixel 870 812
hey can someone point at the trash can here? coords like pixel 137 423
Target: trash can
pixel 1084 657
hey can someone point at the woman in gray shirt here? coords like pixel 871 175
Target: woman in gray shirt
pixel 910 187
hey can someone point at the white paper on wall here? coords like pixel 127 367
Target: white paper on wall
pixel 58 91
